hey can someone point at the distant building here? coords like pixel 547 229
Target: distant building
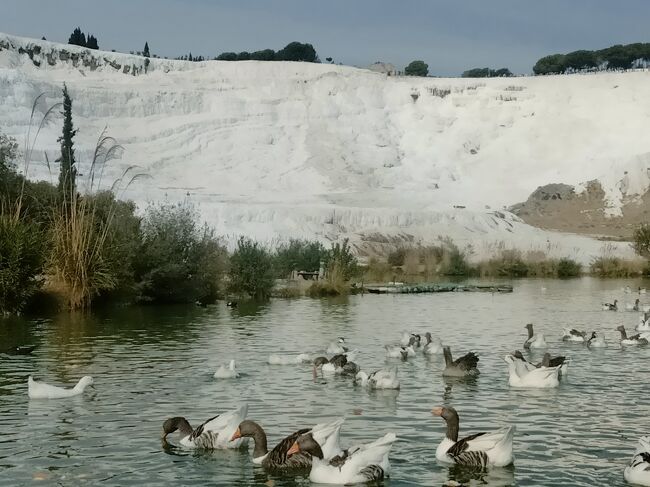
pixel 384 68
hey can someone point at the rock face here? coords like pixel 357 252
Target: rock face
pixel 274 150
pixel 559 207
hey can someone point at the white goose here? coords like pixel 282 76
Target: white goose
pixel 638 339
pixel 379 379
pixel 356 465
pixel 573 335
pixel 638 470
pixel 40 390
pixel 433 345
pixel 481 449
pixel 338 347
pixel 397 351
pixel 644 325
pixel 534 341
pixel 227 371
pixel 215 433
pixel 278 359
pixel 542 377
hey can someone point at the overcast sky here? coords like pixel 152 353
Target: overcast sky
pixel 449 35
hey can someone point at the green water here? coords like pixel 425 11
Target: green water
pixel 152 363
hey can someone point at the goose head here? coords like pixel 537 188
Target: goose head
pixel 529 327
pixel 517 354
pixel 306 444
pixel 341 340
pixel 84 382
pixel 427 335
pixel 173 424
pixel 404 352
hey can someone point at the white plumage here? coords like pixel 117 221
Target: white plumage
pixel 433 345
pixel 40 390
pixel 216 433
pixel 227 371
pixel 379 379
pixel 278 359
pixel 638 470
pixel 363 463
pixel 519 375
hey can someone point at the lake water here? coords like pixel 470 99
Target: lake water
pixel 153 363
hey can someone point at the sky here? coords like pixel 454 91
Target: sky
pixel 449 35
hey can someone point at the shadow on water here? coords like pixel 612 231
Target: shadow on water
pixel 469 476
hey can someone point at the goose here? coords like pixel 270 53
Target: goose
pixel 398 351
pixel 277 359
pixel 573 335
pixel 433 345
pixel 356 465
pixel 559 361
pixel 534 341
pixel 633 307
pixel 227 371
pixel 337 348
pixel 596 340
pixel 379 379
pixel 543 377
pixel 644 325
pixel 19 350
pixel 637 339
pixel 350 369
pixel 461 367
pixel 330 366
pixel 214 434
pixel 232 304
pixel 638 470
pixel 41 390
pixel 406 338
pixel 611 306
pixel 279 458
pixel 480 450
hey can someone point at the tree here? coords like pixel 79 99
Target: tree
pixel 263 55
pixel 91 43
pixel 641 240
pixel 251 269
pixel 553 64
pixel 77 38
pixel 328 59
pixel 145 51
pixel 8 154
pixel 243 56
pixel 417 68
pixel 578 60
pixel 68 171
pixel 297 51
pixel 227 56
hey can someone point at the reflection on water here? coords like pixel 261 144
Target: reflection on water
pixel 153 363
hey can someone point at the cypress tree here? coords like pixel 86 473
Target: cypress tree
pixel 145 51
pixel 91 42
pixel 68 174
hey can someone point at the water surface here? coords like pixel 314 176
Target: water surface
pixel 152 363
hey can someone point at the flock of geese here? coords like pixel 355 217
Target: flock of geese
pixel 317 449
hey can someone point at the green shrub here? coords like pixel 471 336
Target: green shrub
pixel 568 268
pixel 22 255
pixel 340 262
pixel 251 270
pixel 396 257
pixel 299 255
pixel 178 261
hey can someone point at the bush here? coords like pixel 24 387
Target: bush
pixel 179 261
pixel 568 268
pixel 299 255
pixel 455 262
pixel 321 289
pixel 251 270
pixel 607 266
pixel 417 68
pixel 641 240
pixel 396 257
pixel 22 255
pixel 340 263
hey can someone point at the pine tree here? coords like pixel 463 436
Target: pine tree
pixel 190 57
pixel 68 174
pixel 145 51
pixel 77 38
pixel 92 43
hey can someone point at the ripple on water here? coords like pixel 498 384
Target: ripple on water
pixel 152 363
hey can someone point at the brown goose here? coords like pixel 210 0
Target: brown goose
pixel 480 449
pixel 637 339
pixel 461 367
pixel 278 458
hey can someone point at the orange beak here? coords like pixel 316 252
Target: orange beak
pixel 437 411
pixel 236 435
pixel 295 448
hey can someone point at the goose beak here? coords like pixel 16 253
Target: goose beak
pixel 295 448
pixel 437 411
pixel 236 435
